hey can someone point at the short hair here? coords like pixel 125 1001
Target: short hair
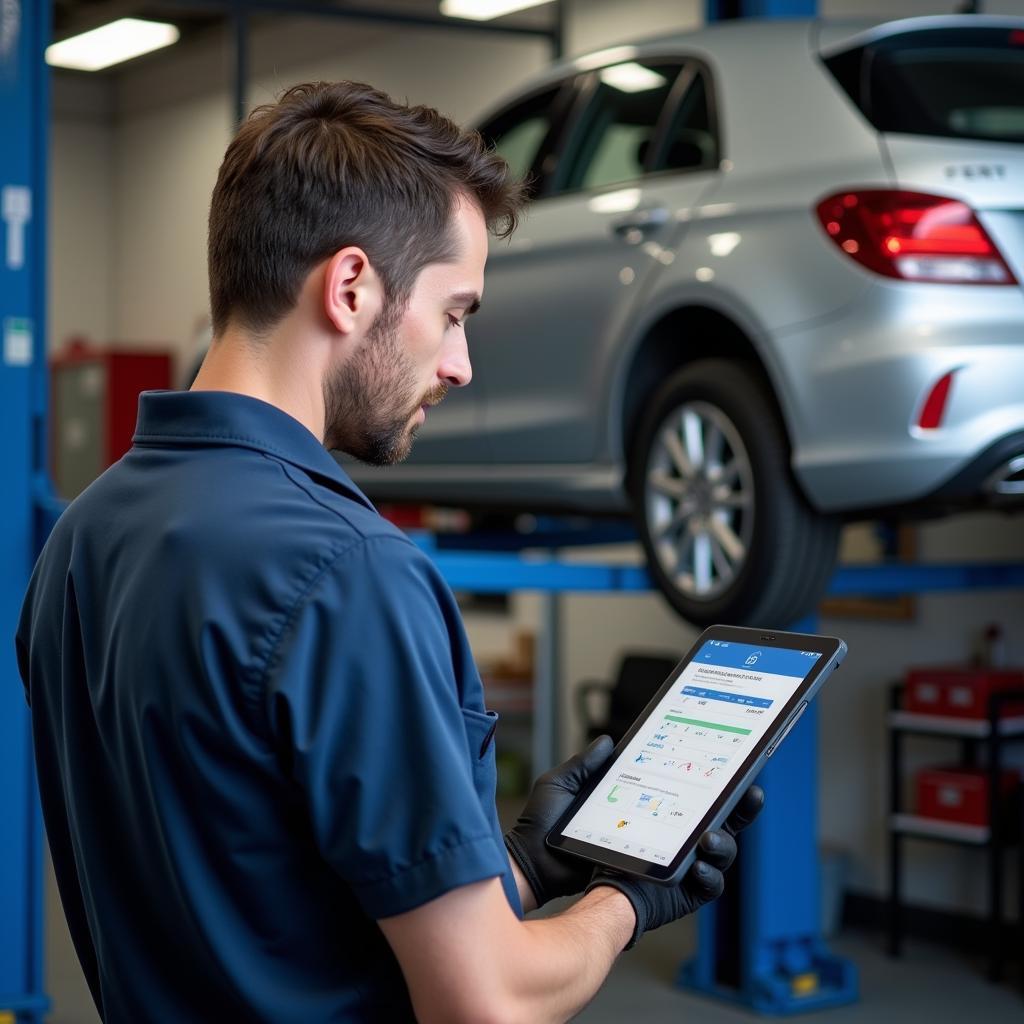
pixel 333 164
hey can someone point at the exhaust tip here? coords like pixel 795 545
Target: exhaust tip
pixel 1007 481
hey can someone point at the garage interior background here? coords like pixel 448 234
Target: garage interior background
pixel 134 156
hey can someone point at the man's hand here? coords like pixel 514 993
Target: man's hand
pixel 550 873
pixel 655 905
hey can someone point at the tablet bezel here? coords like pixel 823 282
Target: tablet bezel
pixel 831 649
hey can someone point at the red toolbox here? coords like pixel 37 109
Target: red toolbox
pixel 960 794
pixel 960 692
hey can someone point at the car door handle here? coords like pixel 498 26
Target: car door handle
pixel 646 219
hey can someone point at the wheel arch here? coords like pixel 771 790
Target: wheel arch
pixel 664 348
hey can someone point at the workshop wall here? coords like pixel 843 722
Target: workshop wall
pixel 80 289
pixel 598 23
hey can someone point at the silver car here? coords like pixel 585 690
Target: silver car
pixel 770 279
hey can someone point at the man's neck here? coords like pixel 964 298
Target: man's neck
pixel 270 370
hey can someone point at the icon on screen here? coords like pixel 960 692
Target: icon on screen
pixel 621 824
pixel 648 802
pixel 752 658
pixel 612 798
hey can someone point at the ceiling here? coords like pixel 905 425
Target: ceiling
pixel 73 16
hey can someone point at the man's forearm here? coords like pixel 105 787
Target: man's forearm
pixel 572 954
pixel 492 967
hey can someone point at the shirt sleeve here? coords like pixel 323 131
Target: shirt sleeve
pixel 364 706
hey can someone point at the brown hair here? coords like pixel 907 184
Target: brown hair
pixel 332 164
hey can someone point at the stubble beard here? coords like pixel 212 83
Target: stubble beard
pixel 369 402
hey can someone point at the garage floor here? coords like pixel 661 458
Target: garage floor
pixel 929 984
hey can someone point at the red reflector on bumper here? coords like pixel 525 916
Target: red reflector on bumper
pixel 935 404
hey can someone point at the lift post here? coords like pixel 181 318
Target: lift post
pixel 24 121
pixel 761 945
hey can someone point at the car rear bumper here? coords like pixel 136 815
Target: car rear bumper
pixel 995 477
pixel 860 380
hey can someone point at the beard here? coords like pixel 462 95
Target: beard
pixel 370 400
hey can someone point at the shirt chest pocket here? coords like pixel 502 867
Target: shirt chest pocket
pixel 480 730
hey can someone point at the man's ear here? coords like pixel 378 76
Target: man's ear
pixel 352 291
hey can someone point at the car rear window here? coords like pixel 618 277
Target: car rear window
pixel 965 83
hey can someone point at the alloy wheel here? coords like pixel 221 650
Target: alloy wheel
pixel 699 500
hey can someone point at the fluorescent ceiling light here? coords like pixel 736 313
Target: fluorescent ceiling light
pixel 631 77
pixel 484 10
pixel 111 44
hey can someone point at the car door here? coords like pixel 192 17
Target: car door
pixel 524 135
pixel 612 200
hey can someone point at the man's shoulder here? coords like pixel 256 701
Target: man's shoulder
pixel 242 510
pixel 336 509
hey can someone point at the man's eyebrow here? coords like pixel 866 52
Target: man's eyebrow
pixel 469 301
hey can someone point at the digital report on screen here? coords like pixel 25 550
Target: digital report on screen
pixel 676 766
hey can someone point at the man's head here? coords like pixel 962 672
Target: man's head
pixel 368 220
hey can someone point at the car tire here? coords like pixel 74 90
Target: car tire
pixel 728 535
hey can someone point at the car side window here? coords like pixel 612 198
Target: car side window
pixel 522 134
pixel 691 141
pixel 617 128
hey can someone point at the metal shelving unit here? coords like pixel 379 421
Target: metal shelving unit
pixel 995 732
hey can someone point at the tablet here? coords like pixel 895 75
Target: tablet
pixel 697 746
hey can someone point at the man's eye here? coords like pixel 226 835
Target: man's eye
pixel 454 321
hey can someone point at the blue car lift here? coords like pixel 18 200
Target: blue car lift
pixel 761 945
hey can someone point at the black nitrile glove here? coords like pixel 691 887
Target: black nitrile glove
pixel 551 873
pixel 655 904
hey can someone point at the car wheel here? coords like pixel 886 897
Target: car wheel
pixel 728 535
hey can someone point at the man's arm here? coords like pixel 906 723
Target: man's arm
pixel 466 957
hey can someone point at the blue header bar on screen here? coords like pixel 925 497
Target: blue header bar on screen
pixel 778 661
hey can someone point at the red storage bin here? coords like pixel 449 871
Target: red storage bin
pixel 960 692
pixel 960 794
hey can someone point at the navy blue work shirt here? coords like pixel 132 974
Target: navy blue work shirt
pixel 258 726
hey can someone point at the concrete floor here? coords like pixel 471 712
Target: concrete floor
pixel 929 984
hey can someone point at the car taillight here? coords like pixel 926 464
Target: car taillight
pixel 913 236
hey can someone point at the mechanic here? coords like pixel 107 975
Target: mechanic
pixel 266 767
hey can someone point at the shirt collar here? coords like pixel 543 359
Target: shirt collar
pixel 227 418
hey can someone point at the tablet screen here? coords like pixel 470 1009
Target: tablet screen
pixel 701 733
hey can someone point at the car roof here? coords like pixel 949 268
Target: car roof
pixel 732 40
pixel 837 35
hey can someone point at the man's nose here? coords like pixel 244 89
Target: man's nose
pixel 455 368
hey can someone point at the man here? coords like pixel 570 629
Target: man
pixel 266 767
